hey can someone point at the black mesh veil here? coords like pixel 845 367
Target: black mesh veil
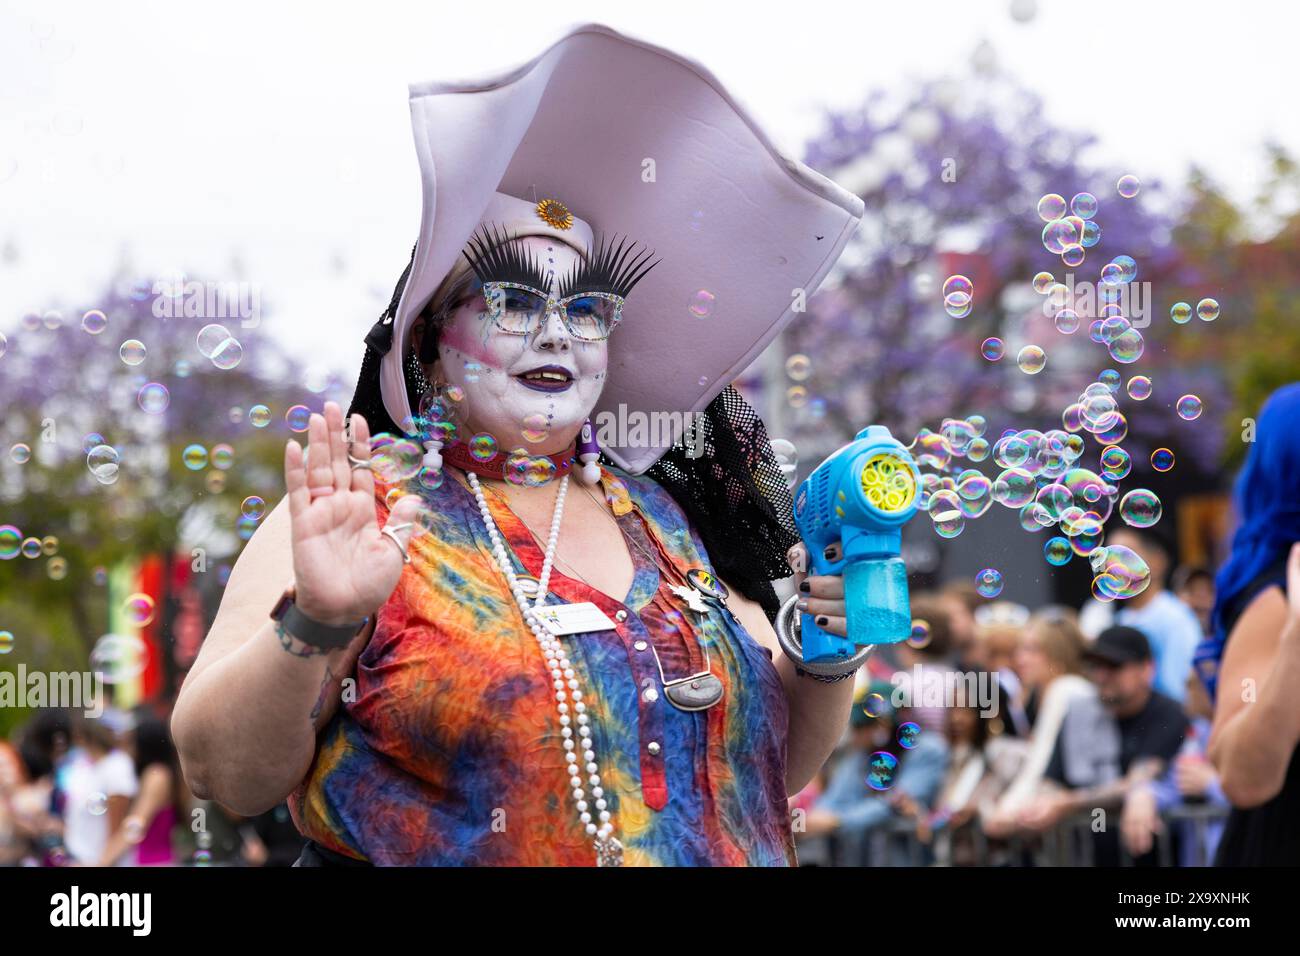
pixel 724 475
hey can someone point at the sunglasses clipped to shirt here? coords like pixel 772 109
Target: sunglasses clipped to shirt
pixel 589 300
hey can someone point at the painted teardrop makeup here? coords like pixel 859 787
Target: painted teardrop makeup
pixel 566 378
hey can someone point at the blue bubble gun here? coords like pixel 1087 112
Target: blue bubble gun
pixel 860 498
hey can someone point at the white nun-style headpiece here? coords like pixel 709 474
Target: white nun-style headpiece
pixel 607 133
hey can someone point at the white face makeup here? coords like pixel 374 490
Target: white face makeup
pixel 527 391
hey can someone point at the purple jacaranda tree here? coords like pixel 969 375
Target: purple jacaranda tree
pixel 951 173
pixel 65 386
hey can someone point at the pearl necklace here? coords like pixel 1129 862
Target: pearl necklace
pixel 609 852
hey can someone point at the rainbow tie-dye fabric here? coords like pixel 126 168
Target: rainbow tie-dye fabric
pixel 451 752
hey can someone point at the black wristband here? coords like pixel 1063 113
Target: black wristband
pixel 308 631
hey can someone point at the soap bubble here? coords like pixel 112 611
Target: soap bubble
pixel 6 642
pixel 298 417
pixel 1128 268
pixel 930 449
pixel 989 582
pixel 1139 388
pixel 1043 281
pixel 253 507
pixel 1054 498
pixel 1189 407
pixel 259 416
pixel 1120 572
pixel 1033 517
pixel 228 355
pixel 396 460
pixel 975 493
pixel 1115 462
pixel 1180 312
pixel 1073 254
pixel 958 284
pixel 1140 508
pixel 132 352
pixel 908 734
pixel 1113 326
pixel 701 306
pixel 1058 234
pixel 154 398
pixel 94 322
pixel 1112 274
pixel 21 453
pixel 11 542
pixel 993 348
pixel 211 339
pixel 1091 234
pixel 1207 310
pixel 535 428
pixel 118 657
pixel 1128 186
pixel 1031 359
pixel 1067 321
pixel 483 447
pixel 1014 488
pixel 1127 347
pixel 883 765
pixel 920 636
pixel 539 471
pixel 195 457
pixel 1057 551
pixel 103 462
pixel 1084 205
pixel 1110 378
pixel 957 304
pixel 946 513
pixel 1115 432
pixel 1162 459
pixel 873 705
pixel 1051 207
pixel 798 367
pixel 138 609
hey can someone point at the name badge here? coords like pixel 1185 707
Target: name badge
pixel 561 619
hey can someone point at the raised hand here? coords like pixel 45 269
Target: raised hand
pixel 344 566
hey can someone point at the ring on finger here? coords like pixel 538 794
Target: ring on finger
pixel 358 463
pixel 390 533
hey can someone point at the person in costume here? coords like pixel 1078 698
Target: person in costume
pixel 513 637
pixel 1251 663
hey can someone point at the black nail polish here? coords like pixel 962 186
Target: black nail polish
pixel 805 587
pixel 822 620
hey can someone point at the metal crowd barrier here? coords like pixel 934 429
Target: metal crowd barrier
pixel 1071 843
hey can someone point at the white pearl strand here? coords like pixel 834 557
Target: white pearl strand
pixel 562 673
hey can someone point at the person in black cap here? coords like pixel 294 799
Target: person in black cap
pixel 1112 745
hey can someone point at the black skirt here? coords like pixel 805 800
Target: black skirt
pixel 1269 834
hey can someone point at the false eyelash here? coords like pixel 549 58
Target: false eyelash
pixel 607 269
pixel 494 258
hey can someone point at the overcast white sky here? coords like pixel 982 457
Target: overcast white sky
pixel 177 135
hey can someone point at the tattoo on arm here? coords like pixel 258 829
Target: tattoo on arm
pixel 294 646
pixel 325 685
